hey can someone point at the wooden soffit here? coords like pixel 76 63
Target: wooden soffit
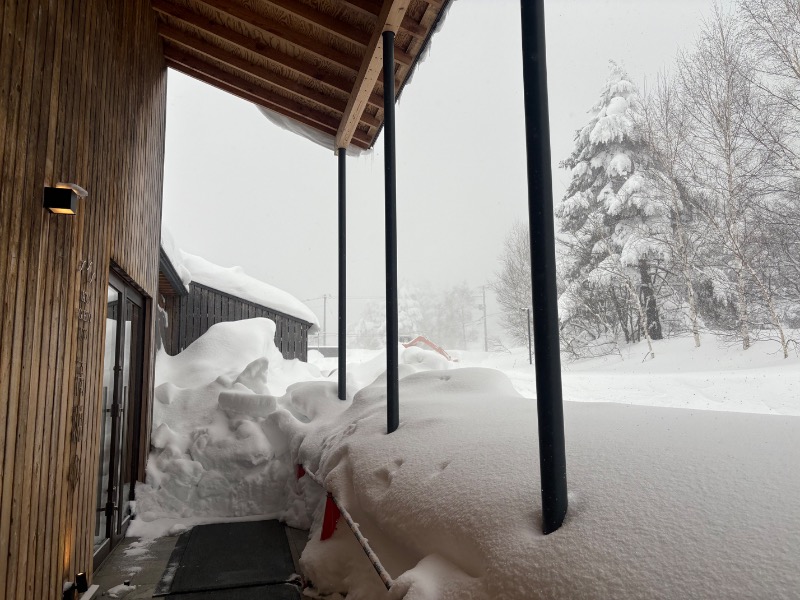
pixel 317 62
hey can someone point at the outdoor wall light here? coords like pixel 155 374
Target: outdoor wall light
pixel 63 198
pixel 81 582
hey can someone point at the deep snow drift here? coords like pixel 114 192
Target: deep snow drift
pixel 664 502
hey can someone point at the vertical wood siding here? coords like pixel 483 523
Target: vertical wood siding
pixel 82 99
pixel 190 316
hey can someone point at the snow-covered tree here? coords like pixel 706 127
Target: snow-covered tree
pixel 733 165
pixel 512 284
pixel 607 214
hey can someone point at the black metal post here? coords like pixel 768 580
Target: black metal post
pixel 552 453
pixel 530 352
pixel 392 383
pixel 342 273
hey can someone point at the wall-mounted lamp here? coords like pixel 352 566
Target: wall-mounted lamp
pixel 63 198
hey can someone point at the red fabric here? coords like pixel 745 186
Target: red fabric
pixel 300 471
pixel 330 519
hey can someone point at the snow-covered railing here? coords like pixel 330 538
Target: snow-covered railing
pixel 332 507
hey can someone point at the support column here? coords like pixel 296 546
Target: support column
pixel 552 454
pixel 342 274
pixel 392 383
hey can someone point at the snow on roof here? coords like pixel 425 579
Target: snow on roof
pixel 234 281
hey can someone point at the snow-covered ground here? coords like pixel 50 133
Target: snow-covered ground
pixel 716 376
pixel 664 502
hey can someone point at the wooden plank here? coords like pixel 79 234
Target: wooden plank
pixel 372 8
pixel 231 60
pixel 10 71
pixel 203 310
pixel 278 30
pixel 61 141
pixel 14 478
pixel 327 23
pixel 43 306
pixel 389 19
pixel 237 63
pixel 84 408
pixel 333 26
pixel 243 89
pixel 244 42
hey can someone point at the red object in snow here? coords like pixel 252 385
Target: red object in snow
pixel 421 341
pixel 330 519
pixel 300 471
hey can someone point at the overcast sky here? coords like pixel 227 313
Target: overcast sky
pixel 240 191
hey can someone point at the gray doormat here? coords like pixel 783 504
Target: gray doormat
pixel 226 556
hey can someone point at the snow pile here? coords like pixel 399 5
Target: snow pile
pixel 234 281
pixel 120 591
pixel 226 411
pixel 665 503
pixel 213 453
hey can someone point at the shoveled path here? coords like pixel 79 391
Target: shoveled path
pixel 144 564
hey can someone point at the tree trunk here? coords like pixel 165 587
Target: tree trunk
pixel 741 307
pixel 648 301
pixel 683 252
pixel 620 317
pixel 642 319
pixel 765 293
pixel 692 310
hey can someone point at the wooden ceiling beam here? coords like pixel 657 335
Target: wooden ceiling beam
pixel 389 19
pixel 334 26
pixel 244 42
pixel 240 64
pixel 190 65
pixel 276 29
pixel 340 29
pixel 371 9
pixel 182 57
pixel 233 61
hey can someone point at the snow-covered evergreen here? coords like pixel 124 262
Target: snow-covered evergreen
pixel 607 216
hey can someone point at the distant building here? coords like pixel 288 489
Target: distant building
pixel 194 294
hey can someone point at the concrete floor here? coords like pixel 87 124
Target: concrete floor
pixel 127 562
pixel 143 571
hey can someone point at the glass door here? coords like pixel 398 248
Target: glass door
pixel 121 414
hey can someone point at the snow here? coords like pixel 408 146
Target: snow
pixel 120 591
pixel 235 281
pixel 666 501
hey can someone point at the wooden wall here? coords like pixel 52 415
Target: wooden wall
pixel 82 99
pixel 190 316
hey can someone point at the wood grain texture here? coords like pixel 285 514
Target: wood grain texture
pixel 82 99
pixel 316 63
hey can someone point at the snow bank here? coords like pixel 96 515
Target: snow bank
pixel 664 503
pixel 213 453
pixel 226 412
pixel 234 281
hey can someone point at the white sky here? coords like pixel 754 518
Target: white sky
pixel 240 191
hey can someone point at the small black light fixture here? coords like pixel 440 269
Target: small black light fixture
pixel 81 582
pixel 63 198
